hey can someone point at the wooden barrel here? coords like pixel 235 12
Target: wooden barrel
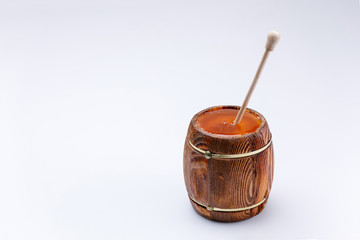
pixel 228 177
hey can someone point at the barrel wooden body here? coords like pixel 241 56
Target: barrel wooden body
pixel 219 187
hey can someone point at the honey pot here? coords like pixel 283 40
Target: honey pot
pixel 229 158
pixel 228 175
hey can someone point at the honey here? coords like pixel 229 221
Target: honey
pixel 221 121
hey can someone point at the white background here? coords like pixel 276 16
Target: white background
pixel 96 98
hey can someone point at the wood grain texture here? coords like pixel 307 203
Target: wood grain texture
pixel 228 183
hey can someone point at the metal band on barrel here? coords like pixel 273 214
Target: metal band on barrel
pixel 209 154
pixel 215 209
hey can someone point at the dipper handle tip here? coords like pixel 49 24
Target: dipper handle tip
pixel 272 39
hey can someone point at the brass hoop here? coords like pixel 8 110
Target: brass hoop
pixel 209 154
pixel 215 209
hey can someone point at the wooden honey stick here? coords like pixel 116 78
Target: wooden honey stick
pixel 272 39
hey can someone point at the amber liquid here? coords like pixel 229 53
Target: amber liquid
pixel 222 122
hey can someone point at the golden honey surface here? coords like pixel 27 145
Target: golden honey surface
pixel 221 121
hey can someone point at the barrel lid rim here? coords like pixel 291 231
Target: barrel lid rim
pixel 195 123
